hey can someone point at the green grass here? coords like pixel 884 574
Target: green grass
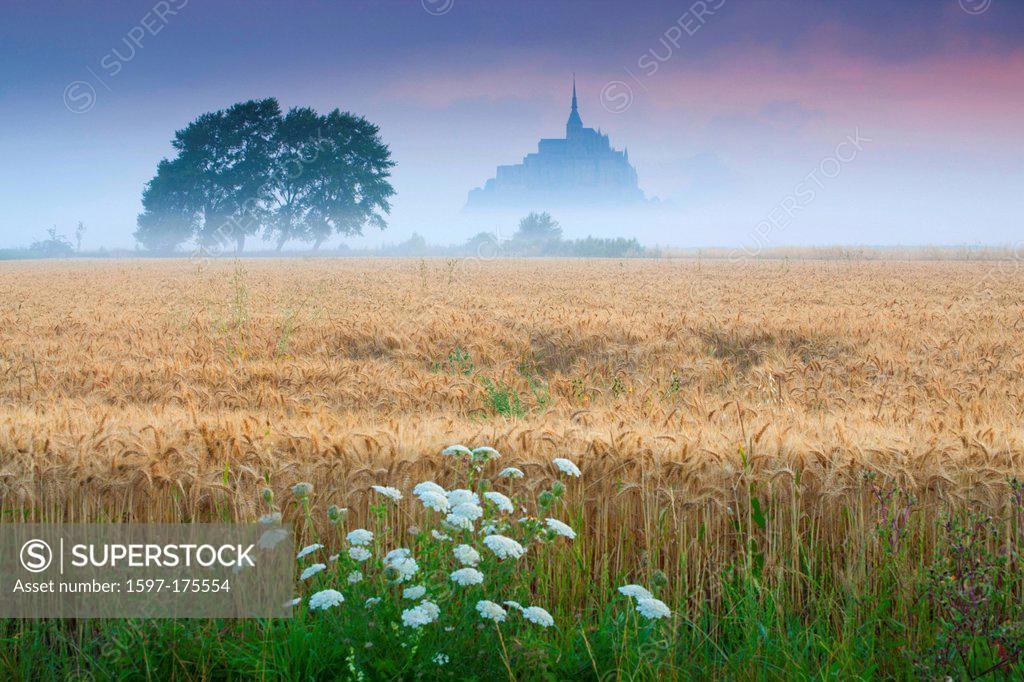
pixel 936 595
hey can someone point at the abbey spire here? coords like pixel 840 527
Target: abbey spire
pixel 575 123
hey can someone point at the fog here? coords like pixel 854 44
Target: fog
pixel 891 125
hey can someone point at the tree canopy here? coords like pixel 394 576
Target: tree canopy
pixel 251 170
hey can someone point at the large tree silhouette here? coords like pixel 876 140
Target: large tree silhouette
pixel 249 170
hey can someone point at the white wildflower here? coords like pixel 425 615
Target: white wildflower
pixel 434 500
pixel 491 611
pixel 513 605
pixel 566 466
pixel 487 452
pixel 652 609
pixel 636 592
pixel 511 472
pixel 273 517
pixel 414 592
pixel 427 486
pixel 462 496
pixel 371 602
pixel 396 554
pixel 468 510
pixel 354 577
pixel 272 538
pixel 359 537
pixel 504 547
pixel 441 659
pixel 502 502
pixel 311 570
pixel 539 616
pixel 466 555
pixel 293 602
pixel 308 549
pixel 389 492
pixel 331 559
pixel 467 576
pixel 453 450
pixel 405 568
pixel 489 527
pixel 561 529
pixel 359 553
pixel 420 615
pixel 457 522
pixel 438 535
pixel 325 599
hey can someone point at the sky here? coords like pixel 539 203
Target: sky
pixel 755 123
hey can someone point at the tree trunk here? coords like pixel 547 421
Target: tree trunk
pixel 240 243
pixel 317 243
pixel 280 242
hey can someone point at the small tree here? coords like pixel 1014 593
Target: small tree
pixel 538 234
pixel 79 232
pixel 55 245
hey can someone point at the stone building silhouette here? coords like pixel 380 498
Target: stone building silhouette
pixel 582 169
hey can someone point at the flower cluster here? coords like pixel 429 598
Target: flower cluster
pixel 469 542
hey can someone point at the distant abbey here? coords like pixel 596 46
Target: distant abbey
pixel 581 169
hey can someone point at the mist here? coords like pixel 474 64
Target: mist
pixel 739 121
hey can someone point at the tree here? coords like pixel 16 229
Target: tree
pixel 537 233
pixel 79 233
pixel 55 245
pixel 248 170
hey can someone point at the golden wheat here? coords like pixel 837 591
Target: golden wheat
pixel 171 390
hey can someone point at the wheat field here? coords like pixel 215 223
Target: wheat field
pixel 173 389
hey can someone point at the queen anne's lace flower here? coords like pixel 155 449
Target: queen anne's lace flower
pixel 466 555
pixel 354 577
pixel 414 592
pixel 491 611
pixel 272 517
pixel 405 568
pixel 371 602
pixel 438 535
pixel 359 537
pixel 311 570
pixel 652 609
pixel 536 614
pixel 457 450
pixel 325 599
pixel 293 602
pixel 502 502
pixel 511 472
pixel 468 510
pixel 389 492
pixel 504 547
pixel 427 486
pixel 486 451
pixel 441 659
pixel 457 522
pixel 513 605
pixel 561 529
pixel 420 615
pixel 462 496
pixel 467 576
pixel 432 499
pixel 272 538
pixel 566 466
pixel 395 554
pixel 308 549
pixel 359 553
pixel 636 592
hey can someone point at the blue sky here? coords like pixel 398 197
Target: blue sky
pixel 732 110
